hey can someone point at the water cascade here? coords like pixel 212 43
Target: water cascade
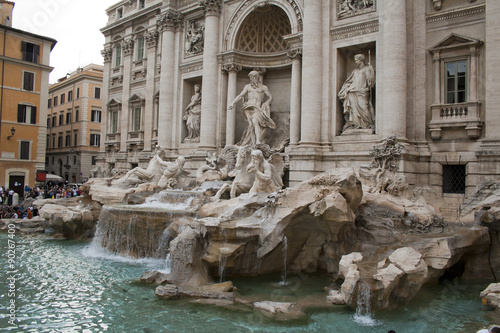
pixel 363 310
pixel 222 256
pixel 283 275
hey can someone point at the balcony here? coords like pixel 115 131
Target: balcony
pixel 466 115
pixel 135 140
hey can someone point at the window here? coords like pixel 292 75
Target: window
pixel 48 146
pixel 456 77
pixel 53 145
pixel 118 54
pixel 48 122
pixel 120 13
pixel 97 92
pixel 76 115
pixel 95 140
pixel 29 81
pixel 26 114
pixel 68 118
pixel 454 179
pixel 25 150
pixel 63 98
pixel 68 140
pixel 59 141
pixel 49 104
pixel 55 100
pixel 30 51
pixel 61 119
pixel 52 160
pixel 74 159
pixel 54 124
pixel 95 116
pixel 75 138
pixel 136 121
pixel 94 158
pixel 70 95
pixel 142 4
pixel 77 93
pixel 140 48
pixel 114 122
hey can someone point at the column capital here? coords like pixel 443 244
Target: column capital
pixel 128 46
pixel 210 7
pixel 106 54
pixel 231 68
pixel 169 20
pixel 152 38
pixel 294 54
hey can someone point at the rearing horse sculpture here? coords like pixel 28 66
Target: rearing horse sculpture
pixel 243 180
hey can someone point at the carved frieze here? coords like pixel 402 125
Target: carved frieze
pixel 106 54
pixel 210 7
pixel 354 30
pixel 169 20
pixel 459 13
pixel 349 8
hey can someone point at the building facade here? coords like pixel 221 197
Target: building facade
pixel 344 75
pixel 24 77
pixel 74 124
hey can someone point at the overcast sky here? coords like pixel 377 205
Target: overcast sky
pixel 74 24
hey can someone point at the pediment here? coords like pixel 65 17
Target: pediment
pixel 136 98
pixel 455 41
pixel 114 102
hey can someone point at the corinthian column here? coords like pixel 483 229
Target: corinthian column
pixel 232 73
pixel 310 121
pixel 208 128
pixel 393 56
pixel 167 23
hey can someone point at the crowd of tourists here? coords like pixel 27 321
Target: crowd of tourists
pixel 11 207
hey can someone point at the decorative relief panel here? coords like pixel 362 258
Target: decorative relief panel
pixel 349 8
pixel 195 36
pixel 355 30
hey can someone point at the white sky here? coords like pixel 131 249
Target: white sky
pixel 74 24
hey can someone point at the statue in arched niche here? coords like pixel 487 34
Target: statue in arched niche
pixel 193 115
pixel 356 93
pixel 256 110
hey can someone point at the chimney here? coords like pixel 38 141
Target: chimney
pixel 6 8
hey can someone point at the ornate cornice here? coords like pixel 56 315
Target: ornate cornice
pixel 355 30
pixel 170 21
pixel 152 38
pixel 128 47
pixel 231 68
pixel 210 7
pixel 452 14
pixel 251 60
pixel 106 54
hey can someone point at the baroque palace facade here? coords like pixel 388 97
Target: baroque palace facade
pixel 343 75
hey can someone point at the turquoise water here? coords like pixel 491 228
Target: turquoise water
pixel 62 287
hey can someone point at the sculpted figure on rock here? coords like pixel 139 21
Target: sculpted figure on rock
pixel 172 173
pixel 356 96
pixel 152 173
pixel 256 110
pixel 267 179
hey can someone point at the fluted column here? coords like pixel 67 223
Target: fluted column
pixel 295 96
pixel 310 120
pixel 232 73
pixel 393 26
pixel 151 41
pixel 208 129
pixel 167 23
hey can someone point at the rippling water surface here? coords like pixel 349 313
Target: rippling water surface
pixel 62 286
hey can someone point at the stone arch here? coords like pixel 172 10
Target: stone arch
pixel 290 7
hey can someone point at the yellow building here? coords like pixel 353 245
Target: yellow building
pixel 74 124
pixel 24 83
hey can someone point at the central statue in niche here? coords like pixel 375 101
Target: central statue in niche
pixel 256 111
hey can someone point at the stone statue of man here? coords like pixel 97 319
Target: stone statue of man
pixel 256 111
pixel 356 96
